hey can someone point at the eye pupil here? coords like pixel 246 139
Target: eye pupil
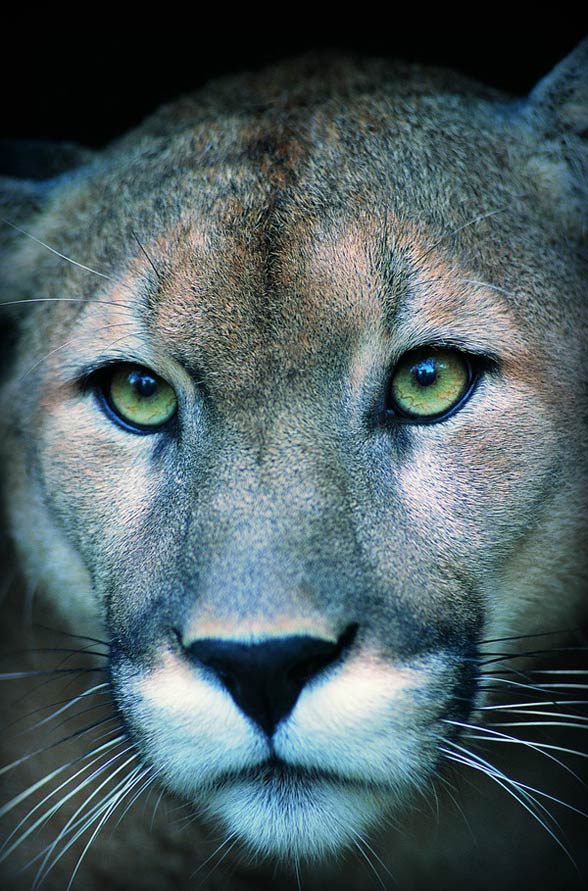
pixel 425 373
pixel 143 384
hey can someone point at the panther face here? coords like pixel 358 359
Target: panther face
pixel 309 443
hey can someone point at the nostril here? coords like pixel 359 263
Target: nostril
pixel 266 678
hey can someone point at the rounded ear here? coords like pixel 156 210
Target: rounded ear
pixel 28 171
pixel 39 159
pixel 561 99
pixel 557 109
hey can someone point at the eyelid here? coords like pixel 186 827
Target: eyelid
pixel 88 371
pixel 487 357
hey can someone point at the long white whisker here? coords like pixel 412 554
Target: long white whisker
pixel 360 840
pixel 217 850
pixel 576 725
pixel 22 796
pixel 70 703
pixel 488 734
pixel 151 775
pixel 66 343
pixel 358 844
pixel 505 783
pixel 156 808
pixel 525 707
pixel 14 764
pixel 56 252
pixel 85 822
pixel 471 222
pixel 133 780
pixel 47 864
pixel 519 791
pixel 6 852
pixel 523 786
pixel 67 703
pixel 538 746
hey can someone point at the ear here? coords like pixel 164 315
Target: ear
pixel 29 170
pixel 561 98
pixel 557 110
pixel 29 174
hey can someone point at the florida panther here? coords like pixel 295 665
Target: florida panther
pixel 293 440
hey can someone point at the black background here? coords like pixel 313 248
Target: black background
pixel 85 78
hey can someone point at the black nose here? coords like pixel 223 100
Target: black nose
pixel 265 679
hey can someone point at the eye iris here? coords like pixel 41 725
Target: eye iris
pixel 140 397
pixel 429 384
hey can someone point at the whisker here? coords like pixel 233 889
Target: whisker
pixel 537 746
pixel 18 675
pixel 47 865
pixel 66 343
pixel 156 808
pixel 564 671
pixel 560 631
pixel 131 783
pixel 513 706
pixel 505 293
pixel 488 734
pixel 360 840
pixel 148 258
pixel 22 796
pixel 216 851
pixel 535 688
pixel 5 851
pixel 56 252
pixel 87 300
pixel 541 724
pixel 84 651
pixel 449 790
pixel 84 820
pixel 580 719
pixel 552 653
pixel 519 791
pixel 358 843
pixel 505 782
pixel 151 778
pixel 59 742
pixel 97 690
pixel 62 633
pixel 531 789
pixel 471 222
pixel 85 711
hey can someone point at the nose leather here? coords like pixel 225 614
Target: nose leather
pixel 266 678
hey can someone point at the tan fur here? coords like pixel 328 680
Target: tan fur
pixel 272 246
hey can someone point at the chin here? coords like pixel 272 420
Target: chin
pixel 291 816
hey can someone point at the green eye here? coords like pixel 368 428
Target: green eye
pixel 429 383
pixel 138 398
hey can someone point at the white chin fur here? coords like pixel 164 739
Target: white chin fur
pixel 295 820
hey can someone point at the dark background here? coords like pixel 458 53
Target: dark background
pixel 87 79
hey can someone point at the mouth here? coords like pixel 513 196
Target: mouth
pixel 274 771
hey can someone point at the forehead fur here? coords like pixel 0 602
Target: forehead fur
pixel 311 191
